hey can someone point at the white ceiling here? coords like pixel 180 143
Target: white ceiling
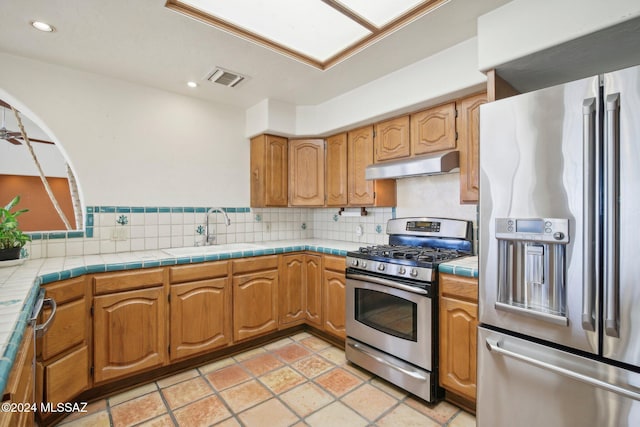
pixel 143 42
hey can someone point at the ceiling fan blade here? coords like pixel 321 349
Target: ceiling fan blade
pixel 42 141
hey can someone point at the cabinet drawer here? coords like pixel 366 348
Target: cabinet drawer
pixel 67 377
pixel 67 330
pixel 459 287
pixel 189 273
pixel 255 264
pixel 67 290
pixel 116 282
pixel 334 263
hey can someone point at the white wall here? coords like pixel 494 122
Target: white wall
pixel 130 144
pixel 524 27
pixel 444 76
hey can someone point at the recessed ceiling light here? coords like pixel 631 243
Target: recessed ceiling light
pixel 192 84
pixel 42 26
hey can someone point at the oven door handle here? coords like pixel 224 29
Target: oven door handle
pixel 414 374
pixel 387 282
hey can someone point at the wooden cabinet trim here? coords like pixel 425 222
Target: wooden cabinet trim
pixel 434 129
pixel 392 139
pixel 67 290
pixel 465 288
pixel 247 265
pixel 192 272
pixel 129 280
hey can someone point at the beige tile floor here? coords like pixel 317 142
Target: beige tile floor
pixel 296 381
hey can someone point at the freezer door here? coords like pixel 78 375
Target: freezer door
pixel 621 280
pixel 537 161
pixel 521 383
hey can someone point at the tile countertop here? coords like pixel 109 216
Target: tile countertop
pixel 19 284
pixel 467 267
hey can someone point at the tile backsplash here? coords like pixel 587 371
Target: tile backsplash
pixel 113 229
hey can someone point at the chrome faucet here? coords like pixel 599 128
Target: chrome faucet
pixel 210 236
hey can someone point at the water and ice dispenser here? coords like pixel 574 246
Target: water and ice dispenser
pixel 531 267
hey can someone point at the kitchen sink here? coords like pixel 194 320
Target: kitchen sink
pixel 212 249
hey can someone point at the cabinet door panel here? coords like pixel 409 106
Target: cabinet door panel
pixel 291 290
pixel 129 333
pixel 67 377
pixel 360 155
pixel 276 193
pixel 434 129
pixel 458 346
pixel 255 304
pixel 392 139
pixel 469 137
pixel 200 317
pixel 69 328
pixel 334 306
pixel 337 170
pixel 306 172
pixel 313 289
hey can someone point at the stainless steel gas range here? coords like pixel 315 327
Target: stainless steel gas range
pixel 392 310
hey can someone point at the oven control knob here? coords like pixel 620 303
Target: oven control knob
pixel 414 272
pixel 364 264
pixel 354 262
pixel 381 267
pixel 402 271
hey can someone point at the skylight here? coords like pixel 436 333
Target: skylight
pixel 320 33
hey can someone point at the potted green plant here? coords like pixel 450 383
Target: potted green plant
pixel 12 239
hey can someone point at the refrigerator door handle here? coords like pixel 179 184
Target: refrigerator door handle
pixel 611 195
pixel 495 346
pixel 588 225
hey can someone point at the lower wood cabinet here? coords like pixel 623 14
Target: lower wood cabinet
pixel 64 352
pixel 255 297
pixel 19 388
pixel 458 335
pixel 129 327
pixel 200 309
pixel 111 326
pixel 333 296
pixel 300 290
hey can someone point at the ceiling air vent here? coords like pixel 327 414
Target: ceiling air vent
pixel 225 77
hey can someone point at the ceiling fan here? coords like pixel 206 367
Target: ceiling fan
pixel 14 138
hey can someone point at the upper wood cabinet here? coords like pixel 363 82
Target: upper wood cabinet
pixel 359 156
pixel 306 172
pixel 392 139
pixel 336 170
pixel 269 171
pixel 468 124
pixel 362 192
pixel 434 129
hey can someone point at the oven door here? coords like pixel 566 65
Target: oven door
pixel 391 317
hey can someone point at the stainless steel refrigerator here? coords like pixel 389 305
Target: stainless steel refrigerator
pixel 559 296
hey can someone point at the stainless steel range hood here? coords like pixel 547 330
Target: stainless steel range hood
pixel 433 164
